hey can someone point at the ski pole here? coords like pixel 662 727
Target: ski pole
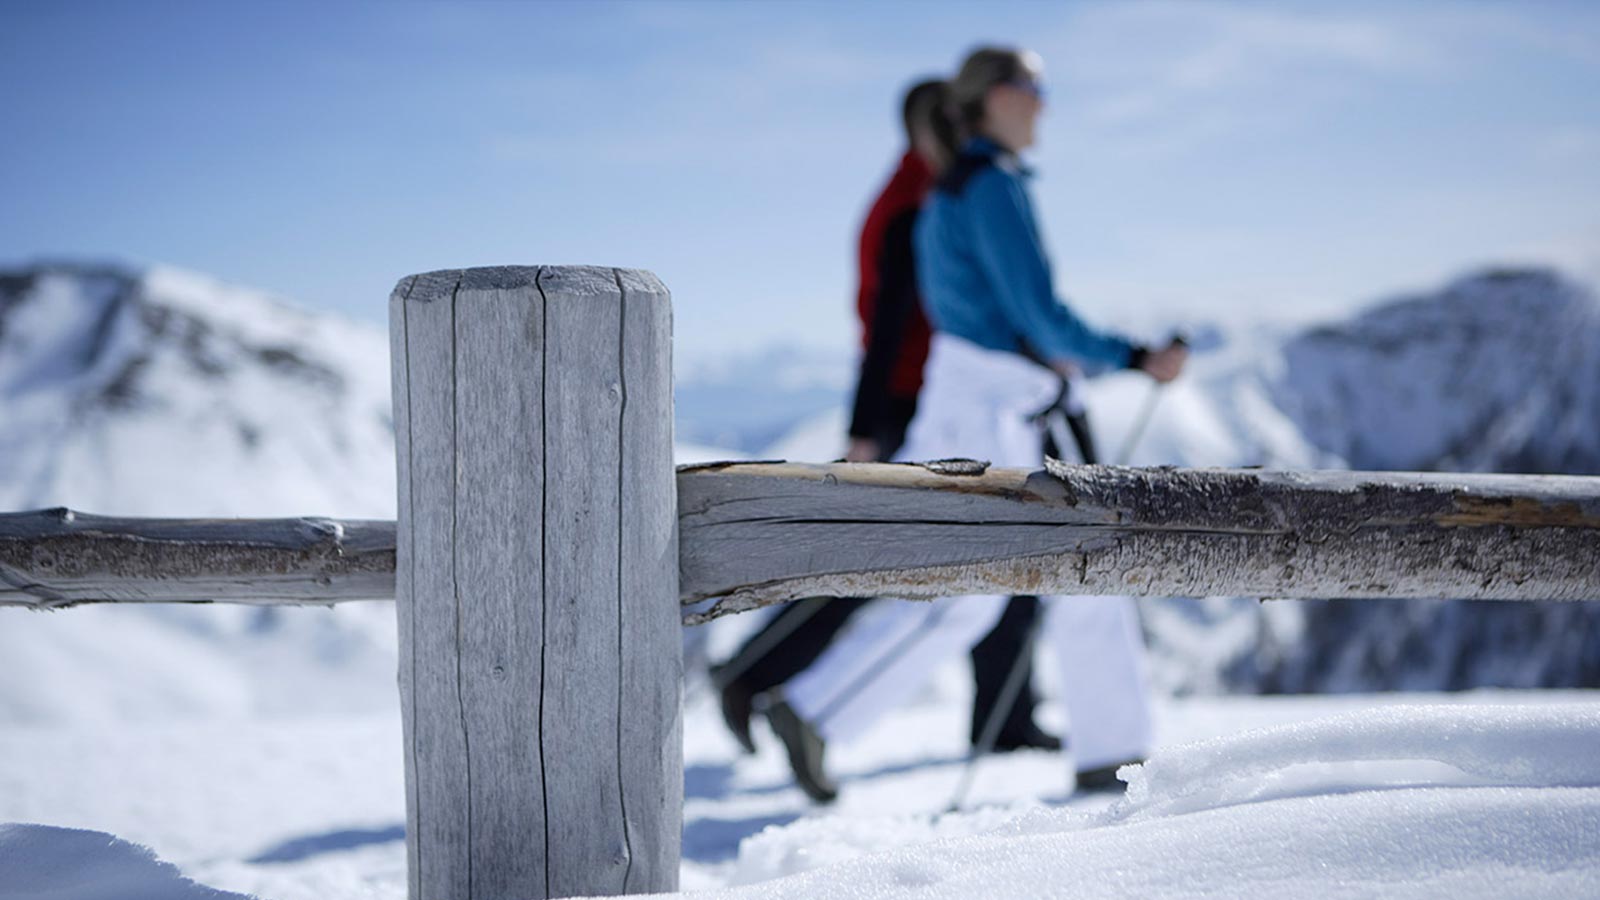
pixel 1002 708
pixel 1145 412
pixel 1139 424
pixel 767 640
pixel 1051 417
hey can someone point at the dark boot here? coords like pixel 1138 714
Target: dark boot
pixel 1032 737
pixel 738 705
pixel 805 748
pixel 993 659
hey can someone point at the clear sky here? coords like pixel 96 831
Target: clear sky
pixel 1203 159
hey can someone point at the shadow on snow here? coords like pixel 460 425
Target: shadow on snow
pixel 300 848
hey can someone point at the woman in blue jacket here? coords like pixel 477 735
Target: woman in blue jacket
pixel 1002 343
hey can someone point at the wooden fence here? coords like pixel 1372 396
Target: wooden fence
pixel 543 546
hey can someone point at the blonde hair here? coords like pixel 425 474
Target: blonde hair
pixel 984 68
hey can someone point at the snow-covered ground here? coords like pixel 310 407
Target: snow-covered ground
pixel 1487 794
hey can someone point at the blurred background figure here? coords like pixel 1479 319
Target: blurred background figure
pixel 1002 343
pixel 895 339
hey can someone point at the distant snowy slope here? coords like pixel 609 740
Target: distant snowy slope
pixel 165 393
pixel 1496 372
pixel 748 399
pixel 1499 372
pixel 161 392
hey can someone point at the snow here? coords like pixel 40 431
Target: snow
pixel 135 394
pixel 1480 747
pixel 104 666
pixel 1472 800
pixel 689 454
pixel 1499 372
pixel 1412 843
pixel 1486 794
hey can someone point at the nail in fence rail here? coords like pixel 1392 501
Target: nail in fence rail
pixel 536 582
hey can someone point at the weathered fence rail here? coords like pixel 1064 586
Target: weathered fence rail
pixel 753 534
pixel 756 534
pixel 53 558
pixel 543 546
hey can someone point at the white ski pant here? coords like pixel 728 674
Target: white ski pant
pixel 975 402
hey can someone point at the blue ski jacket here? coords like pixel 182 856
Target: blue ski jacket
pixel 983 272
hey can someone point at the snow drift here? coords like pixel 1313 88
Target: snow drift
pixel 1407 801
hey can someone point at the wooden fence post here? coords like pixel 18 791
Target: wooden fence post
pixel 537 582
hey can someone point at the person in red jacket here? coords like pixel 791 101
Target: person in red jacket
pixel 894 332
pixel 895 340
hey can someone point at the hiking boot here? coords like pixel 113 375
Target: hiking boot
pixel 1104 778
pixel 738 705
pixel 805 748
pixel 1031 738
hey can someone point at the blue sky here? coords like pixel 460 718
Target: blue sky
pixel 1197 160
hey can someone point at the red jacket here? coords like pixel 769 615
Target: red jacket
pixel 894 331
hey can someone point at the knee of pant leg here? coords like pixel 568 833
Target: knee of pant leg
pixel 1090 614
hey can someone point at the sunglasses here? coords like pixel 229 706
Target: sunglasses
pixel 1028 85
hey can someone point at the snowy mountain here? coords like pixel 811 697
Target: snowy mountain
pixel 162 393
pixel 165 393
pixel 748 401
pixel 1499 372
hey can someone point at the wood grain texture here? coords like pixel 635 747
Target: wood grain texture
pixel 430 662
pixel 56 558
pixel 588 851
pixel 650 733
pixel 756 534
pixel 539 564
pixel 400 400
pixel 499 533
